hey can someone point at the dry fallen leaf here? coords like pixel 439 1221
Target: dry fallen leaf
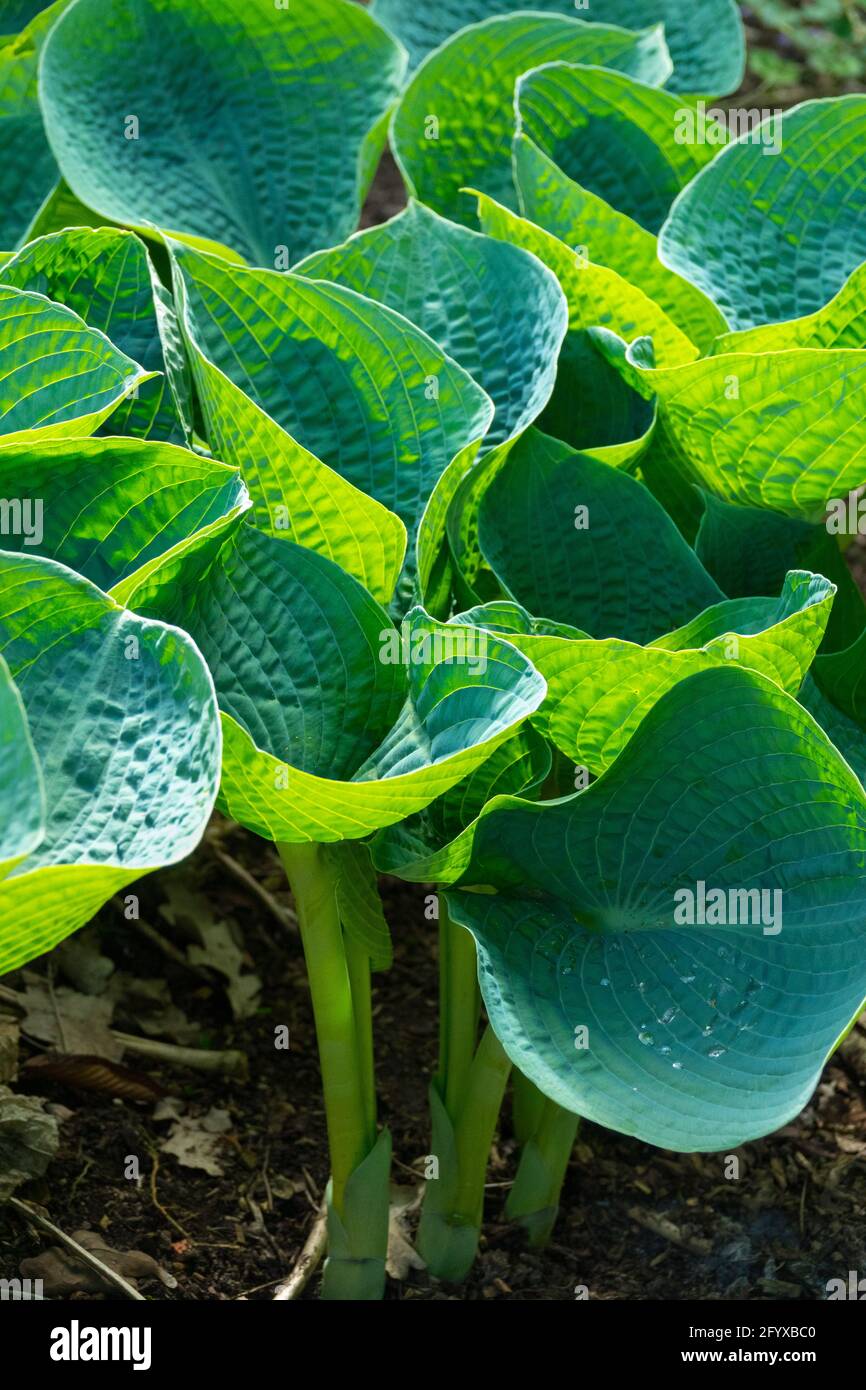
pixel 62 1274
pixel 73 1022
pixel 194 1140
pixel 221 953
pixel 402 1255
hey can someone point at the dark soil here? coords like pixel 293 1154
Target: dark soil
pixel 636 1223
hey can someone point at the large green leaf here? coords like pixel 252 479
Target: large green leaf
pixel 590 406
pixel 351 380
pixel 449 281
pixel 610 238
pixel 455 121
pixel 335 721
pixel 704 1035
pixel 60 378
pixel 124 722
pixel 552 527
pixel 800 210
pixel 612 134
pixel 599 691
pixel 22 794
pixel 107 278
pixel 705 37
pixel 111 509
pixel 229 121
pixel 28 172
pixel 841 323
pixel 784 430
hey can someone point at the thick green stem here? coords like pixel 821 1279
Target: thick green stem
pixel 454 1202
pixel 527 1107
pixel 358 963
pixel 534 1198
pixel 358 1190
pixel 476 1125
pixel 459 1007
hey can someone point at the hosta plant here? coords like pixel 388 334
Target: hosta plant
pixel 499 547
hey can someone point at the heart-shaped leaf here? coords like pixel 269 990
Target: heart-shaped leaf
pixel 784 430
pixel 124 723
pixel 111 509
pixel 448 134
pixel 448 281
pixel 248 125
pixel 801 212
pixel 349 379
pixel 674 951
pixel 599 691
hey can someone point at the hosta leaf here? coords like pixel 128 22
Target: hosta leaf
pixel 699 1036
pixel 551 527
pixel 749 550
pixel 107 278
pixel 705 38
pixel 111 508
pixel 28 172
pixel 609 238
pixel 229 121
pixel 599 691
pixel 61 378
pixel 612 134
pixel 449 281
pixel 589 405
pixel 800 210
pixel 349 379
pixel 839 324
pixel 784 430
pixel 124 722
pixel 22 794
pixel 328 734
pixel 448 134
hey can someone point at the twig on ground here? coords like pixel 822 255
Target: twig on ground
pixel 85 1256
pixel 284 915
pixel 154 1170
pixel 228 1063
pixel 308 1260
